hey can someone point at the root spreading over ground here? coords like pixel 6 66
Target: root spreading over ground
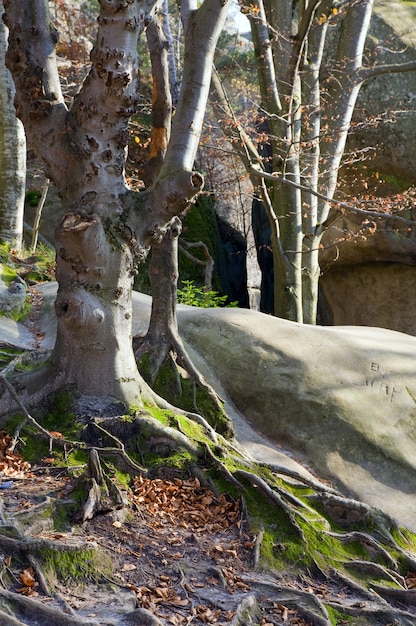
pixel 144 519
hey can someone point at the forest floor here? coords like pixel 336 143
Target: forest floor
pixel 174 554
pixel 175 550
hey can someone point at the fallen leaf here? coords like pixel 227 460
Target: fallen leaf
pixel 48 460
pixel 27 577
pixel 128 567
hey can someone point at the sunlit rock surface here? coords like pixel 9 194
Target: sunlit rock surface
pixel 341 400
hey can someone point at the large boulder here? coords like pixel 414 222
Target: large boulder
pixel 341 400
pixel 378 267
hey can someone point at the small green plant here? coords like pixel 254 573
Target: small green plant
pixel 192 295
pixel 33 197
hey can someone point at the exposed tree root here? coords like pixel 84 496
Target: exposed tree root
pixel 61 441
pixel 34 545
pixel 309 605
pixel 23 546
pixel 25 608
pixel 223 469
pixel 301 478
pixel 369 543
pixel 161 403
pixel 370 547
pixel 376 570
pixel 382 615
pixel 162 346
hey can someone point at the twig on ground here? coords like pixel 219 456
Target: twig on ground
pixel 257 547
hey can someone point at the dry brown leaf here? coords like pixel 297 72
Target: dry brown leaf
pixel 27 591
pixel 128 567
pixel 410 581
pixel 27 577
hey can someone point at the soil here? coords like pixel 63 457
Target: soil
pixel 175 554
pixel 176 550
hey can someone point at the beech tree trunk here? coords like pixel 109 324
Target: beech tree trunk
pixel 106 228
pixel 297 109
pixel 12 155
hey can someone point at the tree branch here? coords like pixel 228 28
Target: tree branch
pixel 161 98
pixel 202 30
pixel 342 205
pixel 31 60
pixel 391 68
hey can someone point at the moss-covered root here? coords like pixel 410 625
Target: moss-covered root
pixel 101 493
pixel 189 392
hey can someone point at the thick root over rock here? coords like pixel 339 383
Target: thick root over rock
pixel 303 562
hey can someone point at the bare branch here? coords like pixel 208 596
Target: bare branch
pixel 161 97
pixel 391 68
pixel 342 205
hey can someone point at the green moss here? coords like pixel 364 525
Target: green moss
pixel 33 449
pixel 191 429
pixel 8 274
pixel 281 547
pixel 123 479
pixel 32 197
pixel 73 566
pixel 60 416
pixel 189 396
pixel 4 251
pixel 339 619
pixel 178 462
pixel 115 233
pixel 60 419
pixel 163 416
pixel 405 538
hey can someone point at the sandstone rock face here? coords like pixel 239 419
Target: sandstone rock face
pixel 371 279
pixel 389 100
pixel 342 399
pixel 372 294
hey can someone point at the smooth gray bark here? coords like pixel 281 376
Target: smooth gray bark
pixel 309 83
pixel 106 228
pixel 12 155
